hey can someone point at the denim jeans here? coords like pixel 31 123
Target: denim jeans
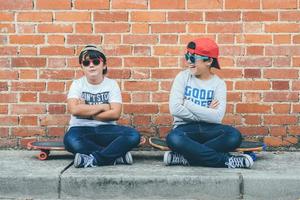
pixel 105 142
pixel 205 144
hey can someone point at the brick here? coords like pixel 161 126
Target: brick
pixel 28 62
pixel 281 97
pixel 168 50
pixel 8 75
pixel 28 120
pixel 140 86
pixel 25 28
pixel 160 97
pixel 126 98
pixel 163 120
pixel 252 119
pixel 6 16
pixel 228 50
pixel 282 28
pixel 280 85
pixel 3 110
pixel 185 16
pixel 25 51
pixel 252 85
pixel 124 121
pixel 164 108
pixel 234 96
pixel 139 28
pixel 254 62
pixel 254 51
pixel 148 16
pixel 252 108
pixel 196 28
pixel 168 62
pixel 230 73
pixel 253 28
pixel 257 38
pixel 296 62
pixel 53 5
pixel 140 97
pixel 56 39
pixel 168 39
pixel 28 97
pixel 8 121
pixel 289 15
pixel 83 28
pixel 226 39
pixel 4 132
pixel 140 39
pixel 226 16
pixel 54 120
pixel 119 73
pixel 27 39
pixel 294 130
pixel 224 28
pixel 252 73
pixel 7 28
pixel 277 131
pixel 168 28
pixel 140 62
pixel 140 73
pixel 279 141
pixel 56 131
pixel 242 4
pixel 117 16
pixel 28 109
pixel 73 16
pixel 8 51
pixel 167 4
pixel 282 39
pixel 124 4
pixel 164 131
pixel 140 109
pixel 28 86
pixel 213 4
pixel 281 108
pixel 232 120
pixel 114 62
pixel 164 73
pixel 55 28
pixel 92 4
pixel 16 5
pixel 255 16
pixel 8 98
pixel 282 50
pixel 57 109
pixel 279 4
pixel 250 130
pixel 84 39
pixel 296 39
pixel 57 74
pixel 296 85
pixel 281 73
pixel 280 120
pixel 57 50
pixel 112 28
pixel 51 98
pixel 4 62
pixel 252 97
pixel 28 131
pixel 141 50
pixel 34 17
pixel 142 120
pixel 112 39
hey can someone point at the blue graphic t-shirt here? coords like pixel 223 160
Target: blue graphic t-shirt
pixel 107 91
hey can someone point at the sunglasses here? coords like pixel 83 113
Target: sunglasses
pixel 95 62
pixel 193 57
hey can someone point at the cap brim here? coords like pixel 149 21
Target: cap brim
pixel 215 64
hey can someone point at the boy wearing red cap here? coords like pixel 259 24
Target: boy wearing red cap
pixel 198 104
pixel 95 103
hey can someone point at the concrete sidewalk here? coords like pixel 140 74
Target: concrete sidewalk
pixel 22 176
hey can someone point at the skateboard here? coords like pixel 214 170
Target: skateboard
pixel 46 147
pixel 247 147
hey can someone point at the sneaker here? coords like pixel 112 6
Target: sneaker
pixel 126 159
pixel 241 161
pixel 172 158
pixel 82 160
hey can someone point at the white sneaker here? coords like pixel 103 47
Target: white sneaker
pixel 126 159
pixel 173 158
pixel 241 161
pixel 82 160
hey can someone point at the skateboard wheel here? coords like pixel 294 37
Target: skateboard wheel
pixel 43 156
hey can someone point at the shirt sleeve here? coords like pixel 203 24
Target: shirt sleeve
pixel 209 114
pixel 115 93
pixel 177 98
pixel 74 91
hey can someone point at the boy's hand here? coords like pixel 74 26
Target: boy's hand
pixel 214 104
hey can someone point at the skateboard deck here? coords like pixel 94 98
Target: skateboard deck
pixel 247 147
pixel 46 147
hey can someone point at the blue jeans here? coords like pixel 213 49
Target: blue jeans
pixel 205 144
pixel 105 142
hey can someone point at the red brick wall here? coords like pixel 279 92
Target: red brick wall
pixel 145 41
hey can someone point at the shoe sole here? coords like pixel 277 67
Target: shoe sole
pixel 76 159
pixel 166 158
pixel 249 160
pixel 128 158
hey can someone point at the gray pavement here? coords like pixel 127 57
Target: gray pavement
pixel 275 175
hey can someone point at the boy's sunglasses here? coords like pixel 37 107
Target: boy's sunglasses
pixel 193 57
pixel 95 62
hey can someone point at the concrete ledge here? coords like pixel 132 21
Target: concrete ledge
pixel 274 176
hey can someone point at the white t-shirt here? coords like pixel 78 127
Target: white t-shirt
pixel 107 91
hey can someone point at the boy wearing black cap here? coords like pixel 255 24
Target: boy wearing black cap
pixel 95 103
pixel 198 104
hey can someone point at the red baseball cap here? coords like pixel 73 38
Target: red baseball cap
pixel 205 47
